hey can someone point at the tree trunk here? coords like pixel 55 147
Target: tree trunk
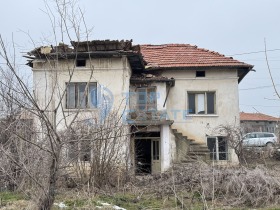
pixel 48 198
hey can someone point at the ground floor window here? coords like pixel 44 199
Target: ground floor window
pixel 79 151
pixel 218 148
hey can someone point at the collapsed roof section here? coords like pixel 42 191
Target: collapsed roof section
pixel 90 49
pixel 150 78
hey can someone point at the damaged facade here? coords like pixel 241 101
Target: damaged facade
pixel 174 96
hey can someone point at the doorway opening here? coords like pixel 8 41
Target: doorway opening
pixel 143 159
pixel 147 153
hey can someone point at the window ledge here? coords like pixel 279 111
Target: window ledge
pixel 202 115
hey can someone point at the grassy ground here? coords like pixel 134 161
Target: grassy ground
pixel 134 200
pixel 80 201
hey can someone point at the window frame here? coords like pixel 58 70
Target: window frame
pixel 149 96
pixel 77 98
pixel 200 73
pixel 78 151
pixel 80 63
pixel 220 150
pixel 206 101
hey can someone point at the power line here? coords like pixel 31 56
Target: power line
pixel 254 52
pixel 257 105
pixel 259 87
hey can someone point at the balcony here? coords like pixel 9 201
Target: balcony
pixel 148 117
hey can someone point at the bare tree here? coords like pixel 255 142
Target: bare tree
pixel 44 159
pixel 103 151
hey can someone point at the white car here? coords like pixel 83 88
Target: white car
pixel 260 139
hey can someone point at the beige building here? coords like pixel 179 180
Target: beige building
pixel 172 97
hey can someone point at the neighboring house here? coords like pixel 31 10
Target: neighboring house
pixel 258 122
pixel 177 94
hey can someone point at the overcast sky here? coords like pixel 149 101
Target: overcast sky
pixel 231 27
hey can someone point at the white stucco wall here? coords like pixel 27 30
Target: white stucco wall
pixel 198 126
pixel 165 147
pixel 50 82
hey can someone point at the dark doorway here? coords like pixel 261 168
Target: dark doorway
pixel 143 156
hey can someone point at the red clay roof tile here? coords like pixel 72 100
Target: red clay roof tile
pixel 256 117
pixel 185 55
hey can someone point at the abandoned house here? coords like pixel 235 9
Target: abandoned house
pixel 259 122
pixel 173 95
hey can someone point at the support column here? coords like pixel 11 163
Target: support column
pixel 165 152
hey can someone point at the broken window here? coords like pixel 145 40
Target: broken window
pixel 147 98
pixel 79 151
pixel 85 151
pixel 81 95
pixel 200 73
pixel 201 103
pixel 81 62
pixel 218 148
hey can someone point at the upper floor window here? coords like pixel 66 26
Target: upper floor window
pixel 81 62
pixel 200 74
pixel 147 99
pixel 79 95
pixel 201 103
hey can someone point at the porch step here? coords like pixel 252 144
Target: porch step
pixel 177 133
pixel 196 150
pixel 193 143
pixel 199 149
pixel 197 153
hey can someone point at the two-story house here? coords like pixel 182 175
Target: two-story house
pixel 173 95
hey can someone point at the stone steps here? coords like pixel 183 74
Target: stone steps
pixel 196 151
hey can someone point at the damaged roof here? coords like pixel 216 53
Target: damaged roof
pixel 185 55
pixel 90 49
pixel 142 57
pixel 257 117
pixel 140 78
pixel 95 46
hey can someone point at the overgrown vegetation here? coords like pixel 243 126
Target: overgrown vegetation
pixel 194 185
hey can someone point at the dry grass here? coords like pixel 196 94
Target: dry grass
pixel 235 187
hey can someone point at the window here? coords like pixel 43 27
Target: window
pixel 80 62
pixel 200 73
pixel 156 153
pixel 80 151
pixel 268 135
pixel 218 148
pixel 251 136
pixel 79 95
pixel 147 99
pixel 201 103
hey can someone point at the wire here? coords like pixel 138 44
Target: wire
pixel 254 52
pixel 258 105
pixel 259 87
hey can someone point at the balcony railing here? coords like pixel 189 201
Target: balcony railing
pixel 146 117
